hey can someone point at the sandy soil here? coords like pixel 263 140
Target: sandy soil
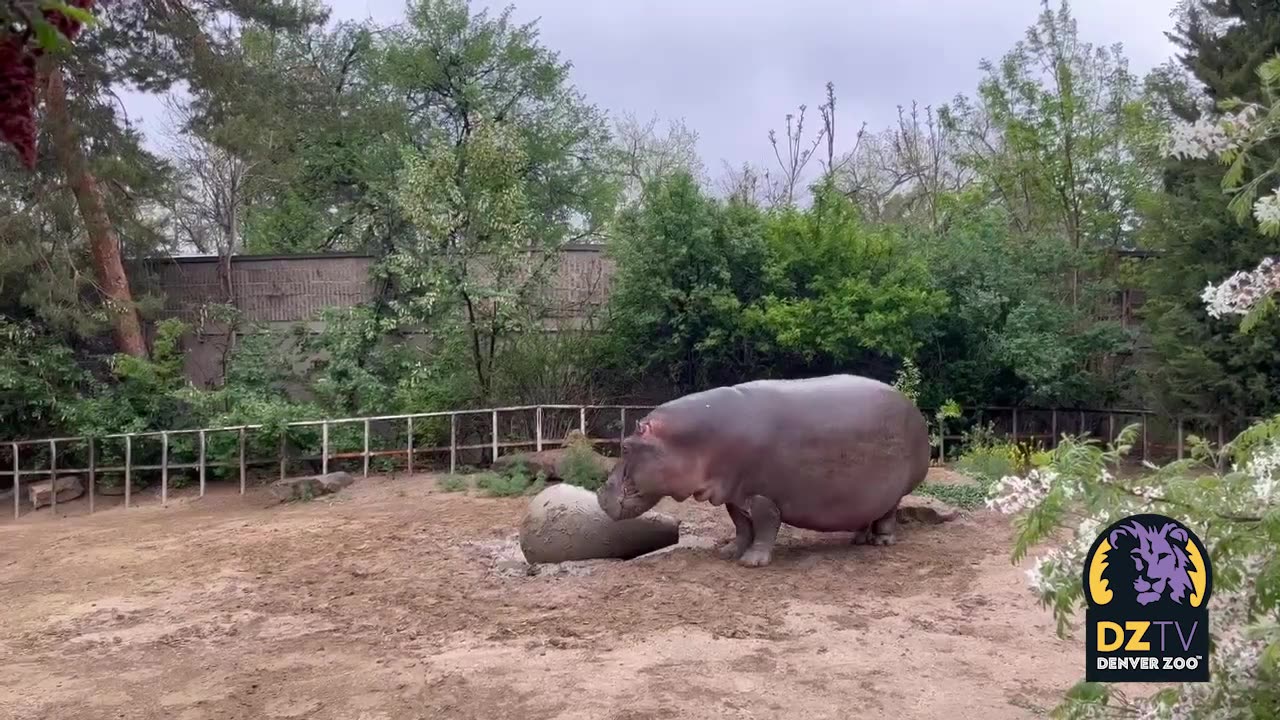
pixel 393 600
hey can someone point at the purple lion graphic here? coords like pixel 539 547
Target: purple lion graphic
pixel 1161 566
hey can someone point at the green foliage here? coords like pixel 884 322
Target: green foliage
pixel 1233 511
pixel 580 467
pixel 963 496
pixel 453 484
pixel 687 266
pixel 839 290
pixel 39 381
pixel 507 484
pixel 1199 363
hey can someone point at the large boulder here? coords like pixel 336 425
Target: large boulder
pixel 565 523
pixel 306 488
pixel 69 487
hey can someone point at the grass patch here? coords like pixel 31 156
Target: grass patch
pixel 516 481
pixel 965 497
pixel 453 483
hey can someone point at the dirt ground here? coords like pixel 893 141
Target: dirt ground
pixel 394 600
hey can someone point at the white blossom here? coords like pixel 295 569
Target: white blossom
pixel 1267 210
pixel 1013 494
pixel 1243 290
pixel 1209 137
pixel 1264 469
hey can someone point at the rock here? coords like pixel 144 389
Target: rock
pixel 69 488
pixel 333 482
pixel 925 510
pixel 564 523
pixel 309 487
pixel 552 464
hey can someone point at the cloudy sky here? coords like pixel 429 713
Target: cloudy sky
pixel 733 68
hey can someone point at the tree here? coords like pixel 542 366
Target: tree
pixel 150 45
pixel 687 267
pixel 1061 138
pixel 1235 511
pixel 644 156
pixel 841 294
pixel 1199 363
pixel 507 164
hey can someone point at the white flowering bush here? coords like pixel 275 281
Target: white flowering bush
pixel 1229 496
pixel 1233 138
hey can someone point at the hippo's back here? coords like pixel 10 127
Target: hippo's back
pixel 834 452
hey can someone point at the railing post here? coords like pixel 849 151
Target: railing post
pixel 582 421
pixel 495 436
pixel 164 468
pixel 53 476
pixel 1222 440
pixel 1015 426
pixel 453 442
pixel 128 470
pixel 93 474
pixel 1144 437
pixel 1081 423
pixel 202 463
pixel 1179 437
pixel 1053 422
pixel 324 448
pixel 410 456
pixel 622 434
pixel 17 485
pixel 537 433
pixel 242 467
pixel 284 451
pixel 1111 428
pixel 366 447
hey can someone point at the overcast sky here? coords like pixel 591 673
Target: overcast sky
pixel 733 68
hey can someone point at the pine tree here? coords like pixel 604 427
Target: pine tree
pixel 1198 364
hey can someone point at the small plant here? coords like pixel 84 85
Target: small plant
pixel 453 483
pixel 581 468
pixel 495 485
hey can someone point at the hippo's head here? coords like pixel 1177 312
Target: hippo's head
pixel 638 479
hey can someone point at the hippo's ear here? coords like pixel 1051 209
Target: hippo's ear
pixel 649 427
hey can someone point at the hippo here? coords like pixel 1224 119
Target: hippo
pixel 832 454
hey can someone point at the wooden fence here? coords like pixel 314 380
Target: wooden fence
pixel 434 441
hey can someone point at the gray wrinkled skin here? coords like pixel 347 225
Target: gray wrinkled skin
pixel 831 454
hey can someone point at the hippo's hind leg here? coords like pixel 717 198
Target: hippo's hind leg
pixel 765 520
pixel 880 532
pixel 743 534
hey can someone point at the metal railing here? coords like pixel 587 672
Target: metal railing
pixel 1024 424
pixel 129 469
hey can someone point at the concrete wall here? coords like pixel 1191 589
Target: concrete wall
pixel 276 292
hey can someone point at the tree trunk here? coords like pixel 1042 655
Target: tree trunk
pixel 103 242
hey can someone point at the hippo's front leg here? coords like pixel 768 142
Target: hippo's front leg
pixel 743 534
pixel 765 519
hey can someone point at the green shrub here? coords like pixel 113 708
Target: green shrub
pixel 453 483
pixel 580 467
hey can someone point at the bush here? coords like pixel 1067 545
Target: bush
pixel 580 467
pixel 1235 513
